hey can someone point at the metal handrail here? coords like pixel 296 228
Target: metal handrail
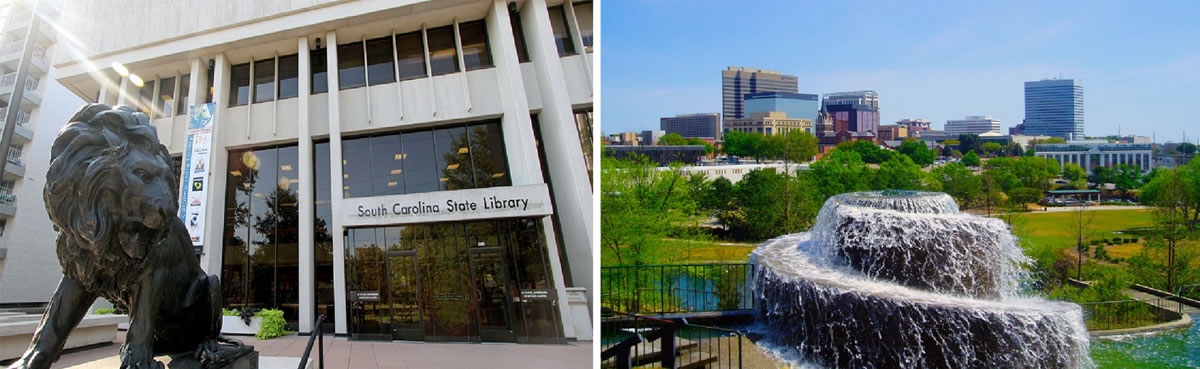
pixel 317 335
pixel 667 332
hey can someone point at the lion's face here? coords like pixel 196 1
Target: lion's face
pixel 148 192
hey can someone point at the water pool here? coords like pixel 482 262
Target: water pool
pixel 1177 349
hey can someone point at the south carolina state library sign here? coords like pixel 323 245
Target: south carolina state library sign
pixel 478 203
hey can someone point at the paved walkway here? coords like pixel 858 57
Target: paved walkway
pixel 1162 303
pixel 342 353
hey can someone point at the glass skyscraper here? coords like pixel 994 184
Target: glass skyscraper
pixel 1054 107
pixel 797 106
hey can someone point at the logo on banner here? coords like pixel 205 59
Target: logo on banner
pixel 195 168
pixel 198 184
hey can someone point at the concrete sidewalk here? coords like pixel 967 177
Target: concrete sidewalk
pixel 342 353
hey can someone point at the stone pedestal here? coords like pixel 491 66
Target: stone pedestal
pixel 248 361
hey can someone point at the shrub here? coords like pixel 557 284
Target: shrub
pixel 227 312
pixel 105 311
pixel 272 324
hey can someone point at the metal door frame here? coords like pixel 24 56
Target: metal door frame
pixel 416 280
pixel 492 334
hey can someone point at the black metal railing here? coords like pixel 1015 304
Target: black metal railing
pixel 317 335
pixel 684 288
pixel 1191 291
pixel 1108 315
pixel 629 340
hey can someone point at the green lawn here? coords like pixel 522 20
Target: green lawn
pixel 1050 233
pixel 710 251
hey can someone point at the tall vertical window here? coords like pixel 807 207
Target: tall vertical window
pixel 476 54
pixel 380 69
pixel 185 84
pixel 264 80
pixel 443 57
pixel 209 87
pixel 562 37
pixel 146 97
pixel 166 97
pixel 583 17
pixel 449 158
pixel 289 74
pixel 410 51
pixel 322 237
pixel 239 83
pixel 583 122
pixel 316 62
pixel 514 19
pixel 351 73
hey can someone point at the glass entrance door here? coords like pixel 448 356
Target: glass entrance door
pixel 404 295
pixel 491 296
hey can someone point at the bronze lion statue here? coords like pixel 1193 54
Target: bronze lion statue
pixel 112 195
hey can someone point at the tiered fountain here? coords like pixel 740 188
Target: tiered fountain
pixel 902 279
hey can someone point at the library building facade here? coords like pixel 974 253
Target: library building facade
pixel 411 170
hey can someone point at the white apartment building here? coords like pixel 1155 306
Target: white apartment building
pixel 973 124
pixel 412 169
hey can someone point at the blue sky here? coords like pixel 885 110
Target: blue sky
pixel 1139 62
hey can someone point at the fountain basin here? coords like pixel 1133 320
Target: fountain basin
pixel 841 317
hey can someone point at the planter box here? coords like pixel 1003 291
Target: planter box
pixel 235 325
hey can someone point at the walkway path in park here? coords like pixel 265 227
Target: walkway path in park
pixel 1163 303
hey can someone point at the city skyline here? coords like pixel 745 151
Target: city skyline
pixel 955 64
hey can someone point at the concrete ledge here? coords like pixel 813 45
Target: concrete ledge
pixel 17 332
pixel 1183 322
pixel 1165 294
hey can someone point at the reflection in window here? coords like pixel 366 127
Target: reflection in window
pixel 322 238
pixel 185 84
pixel 166 97
pixel 209 87
pixel 583 17
pixel 450 158
pixel 351 73
pixel 380 69
pixel 264 80
pixel 239 83
pixel 519 35
pixel 476 54
pixel 410 51
pixel 583 122
pixel 316 61
pixel 562 37
pixel 146 97
pixel 288 76
pixel 443 58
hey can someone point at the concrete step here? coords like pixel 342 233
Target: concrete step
pixel 651 353
pixel 696 359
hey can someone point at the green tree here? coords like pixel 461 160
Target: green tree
pixel 970 159
pixel 958 182
pixel 1013 149
pixel 970 142
pixel 642 205
pixel 672 139
pixel 1073 172
pixel 1186 148
pixel 1168 258
pixel 1127 177
pixel 993 149
pixel 1102 175
pixel 708 148
pixel 739 144
pixel 840 171
pixel 916 150
pixel 799 146
pixel 867 150
pixel 899 173
pixel 1024 195
pixel 1081 229
pixel 1036 172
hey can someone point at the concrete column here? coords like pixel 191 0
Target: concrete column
pixel 123 97
pixel 560 137
pixel 308 291
pixel 519 140
pixel 210 257
pixel 335 185
pixel 214 221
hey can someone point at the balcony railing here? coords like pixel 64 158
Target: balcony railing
pixel 14 158
pixel 6 195
pixel 7 81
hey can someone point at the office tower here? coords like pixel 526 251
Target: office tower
pixel 856 111
pixel 915 124
pixel 1054 107
pixel 700 125
pixel 973 124
pixel 737 82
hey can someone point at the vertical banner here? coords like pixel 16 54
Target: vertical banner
pixel 194 196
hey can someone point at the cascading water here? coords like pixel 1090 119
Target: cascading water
pixel 901 279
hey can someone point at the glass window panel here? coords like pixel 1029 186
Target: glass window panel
pixel 562 37
pixel 394 239
pixel 583 17
pixel 583 122
pixel 316 62
pixel 380 69
pixel 289 81
pixel 488 159
pixel 166 97
pixel 443 58
pixel 237 232
pixel 356 170
pixel 185 84
pixel 476 54
pixel 387 166
pixel 410 51
pixel 420 168
pixel 453 158
pixel 262 166
pixel 239 83
pixel 367 270
pixel 146 97
pixel 519 35
pixel 287 233
pixel 264 80
pixel 350 66
pixel 322 238
pixel 209 86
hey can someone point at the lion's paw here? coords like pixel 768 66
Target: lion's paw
pixel 133 358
